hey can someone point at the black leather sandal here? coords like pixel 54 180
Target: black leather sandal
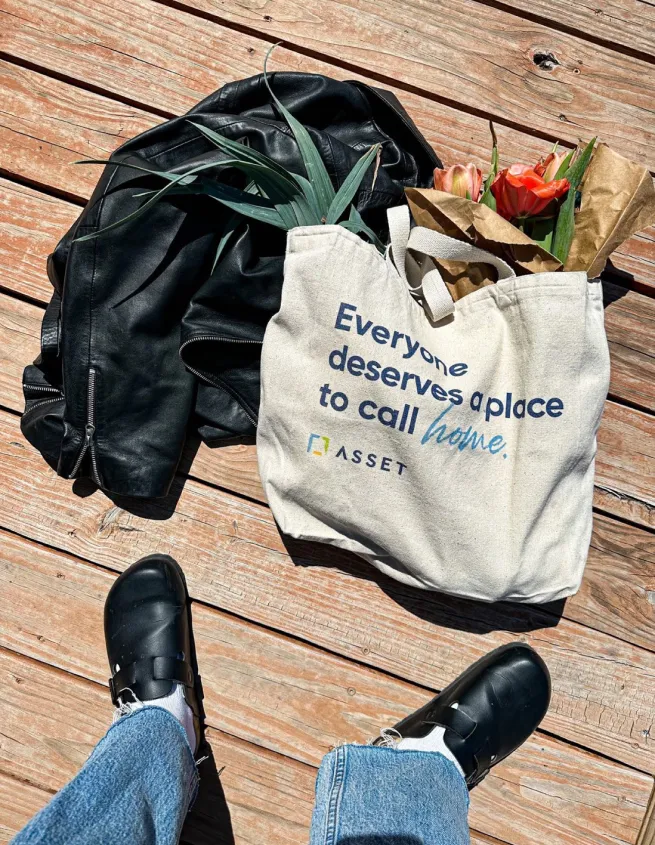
pixel 149 636
pixel 501 700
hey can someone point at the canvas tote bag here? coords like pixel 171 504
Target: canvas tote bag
pixel 450 444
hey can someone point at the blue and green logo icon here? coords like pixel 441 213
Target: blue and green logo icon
pixel 318 445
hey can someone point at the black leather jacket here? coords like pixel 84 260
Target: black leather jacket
pixel 141 337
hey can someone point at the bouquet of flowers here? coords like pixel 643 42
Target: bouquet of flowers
pixel 570 211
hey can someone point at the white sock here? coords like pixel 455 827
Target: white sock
pixel 175 703
pixel 434 741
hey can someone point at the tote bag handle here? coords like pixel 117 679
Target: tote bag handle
pixel 433 292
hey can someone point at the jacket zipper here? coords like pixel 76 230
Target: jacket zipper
pixel 89 431
pixel 218 383
pixel 40 404
pixel 40 388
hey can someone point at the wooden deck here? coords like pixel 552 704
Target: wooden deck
pixel 301 648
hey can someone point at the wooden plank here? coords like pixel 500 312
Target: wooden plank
pixel 19 801
pixel 630 327
pixel 626 459
pixel 637 258
pixel 78 125
pixel 258 680
pixel 31 224
pixel 627 24
pixel 163 58
pixel 616 594
pixel 626 485
pixel 592 90
pixel 37 109
pixel 647 832
pixel 625 609
pixel 235 559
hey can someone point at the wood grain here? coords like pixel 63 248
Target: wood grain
pixel 77 124
pixel 19 801
pixel 40 113
pixel 591 90
pixel 163 58
pixel 31 224
pixel 267 689
pixel 637 258
pixel 628 24
pixel 236 560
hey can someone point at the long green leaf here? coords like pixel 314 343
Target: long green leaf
pixel 231 225
pixel 357 229
pixel 314 166
pixel 257 208
pixel 350 186
pixel 487 197
pixel 305 214
pixel 273 180
pixel 235 195
pixel 310 196
pixel 165 174
pixel 565 226
pixel 134 215
pixel 241 150
pixel 564 166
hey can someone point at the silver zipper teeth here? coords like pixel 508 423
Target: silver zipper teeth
pixel 38 388
pixel 40 405
pixel 214 337
pixel 91 425
pixel 89 431
pixel 220 386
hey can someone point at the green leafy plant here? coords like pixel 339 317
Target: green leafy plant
pixel 274 195
pixel 575 169
pixel 487 197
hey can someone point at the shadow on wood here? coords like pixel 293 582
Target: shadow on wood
pixel 436 608
pixel 209 821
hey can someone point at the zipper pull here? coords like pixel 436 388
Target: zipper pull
pixel 89 431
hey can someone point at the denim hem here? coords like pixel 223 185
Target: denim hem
pixel 194 779
pixel 449 763
pixel 367 795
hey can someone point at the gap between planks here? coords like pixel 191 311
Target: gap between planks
pixel 235 559
pixel 445 129
pixel 265 689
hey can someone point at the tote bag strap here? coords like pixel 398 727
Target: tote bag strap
pixel 436 298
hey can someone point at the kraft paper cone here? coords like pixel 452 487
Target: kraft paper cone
pixel 470 221
pixel 618 199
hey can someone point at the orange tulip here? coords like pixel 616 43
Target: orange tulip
pixel 520 192
pixel 461 180
pixel 548 167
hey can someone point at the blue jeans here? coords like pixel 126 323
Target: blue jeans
pixel 141 779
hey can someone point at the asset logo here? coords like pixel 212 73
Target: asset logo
pixel 318 445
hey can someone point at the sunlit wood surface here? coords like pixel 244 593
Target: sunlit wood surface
pixel 302 648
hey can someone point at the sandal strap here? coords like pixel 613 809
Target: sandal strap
pixel 150 669
pixel 454 720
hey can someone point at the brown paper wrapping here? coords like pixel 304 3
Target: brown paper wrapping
pixel 469 221
pixel 618 199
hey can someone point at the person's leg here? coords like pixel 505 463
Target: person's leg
pixel 381 796
pixel 140 780
pixel 136 787
pixel 411 786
